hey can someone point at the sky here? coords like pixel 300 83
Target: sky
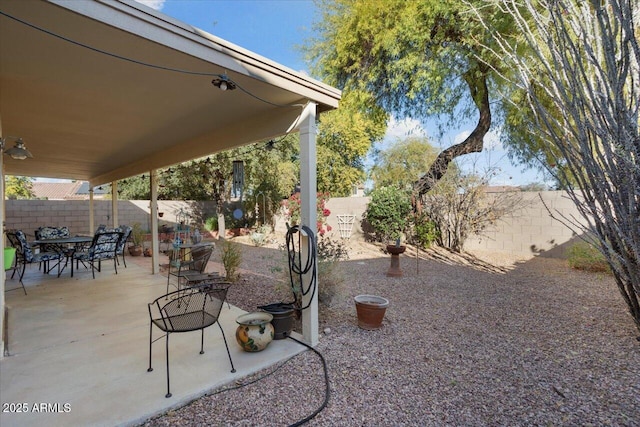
pixel 276 29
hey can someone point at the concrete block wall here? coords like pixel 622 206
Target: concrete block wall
pixel 28 215
pixel 531 230
pixel 528 231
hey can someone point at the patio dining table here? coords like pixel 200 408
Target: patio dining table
pixel 67 245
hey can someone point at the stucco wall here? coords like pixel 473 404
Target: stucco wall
pixel 528 231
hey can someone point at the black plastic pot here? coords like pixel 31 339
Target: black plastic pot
pixel 282 318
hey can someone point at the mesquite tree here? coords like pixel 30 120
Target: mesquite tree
pixel 581 84
pixel 418 59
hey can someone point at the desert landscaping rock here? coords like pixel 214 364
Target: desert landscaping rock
pixel 466 341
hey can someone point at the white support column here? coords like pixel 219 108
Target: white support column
pixel 92 212
pixel 153 211
pixel 2 221
pixel 114 203
pixel 308 212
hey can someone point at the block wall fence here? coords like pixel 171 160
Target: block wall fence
pixel 529 231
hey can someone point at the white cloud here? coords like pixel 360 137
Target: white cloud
pixel 404 128
pixel 153 4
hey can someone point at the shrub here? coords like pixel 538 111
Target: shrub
pixel 292 206
pixel 231 259
pixel 388 212
pixel 425 231
pixel 330 276
pixel 584 256
pixel 258 238
pixel 137 234
pixel 211 223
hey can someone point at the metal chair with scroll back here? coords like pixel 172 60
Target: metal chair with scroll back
pixel 187 310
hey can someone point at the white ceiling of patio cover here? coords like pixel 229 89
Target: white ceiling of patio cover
pixel 86 115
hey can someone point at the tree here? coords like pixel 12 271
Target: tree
pixel 345 136
pixel 460 207
pixel 580 83
pixel 416 59
pixel 19 187
pixel 403 162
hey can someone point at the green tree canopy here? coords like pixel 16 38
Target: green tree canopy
pixel 19 187
pixel 403 163
pixel 422 58
pixel 345 136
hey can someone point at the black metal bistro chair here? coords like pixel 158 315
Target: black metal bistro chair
pixel 192 263
pixel 187 310
pixel 122 243
pixel 25 255
pixel 103 246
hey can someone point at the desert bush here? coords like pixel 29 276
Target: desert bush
pixel 425 231
pixel 460 207
pixel 584 256
pixel 388 212
pixel 211 223
pixel 329 271
pixel 330 275
pixel 231 259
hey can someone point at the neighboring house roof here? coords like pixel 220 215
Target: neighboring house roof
pixel 77 190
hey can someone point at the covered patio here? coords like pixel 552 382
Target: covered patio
pixel 80 347
pixel 101 91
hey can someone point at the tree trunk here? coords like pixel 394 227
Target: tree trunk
pixel 473 143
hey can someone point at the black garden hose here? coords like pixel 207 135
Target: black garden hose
pixel 296 269
pixel 327 388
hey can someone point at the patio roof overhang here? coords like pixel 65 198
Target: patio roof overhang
pixel 87 115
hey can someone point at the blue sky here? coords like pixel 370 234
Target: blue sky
pixel 276 28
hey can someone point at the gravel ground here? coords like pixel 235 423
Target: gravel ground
pixel 467 341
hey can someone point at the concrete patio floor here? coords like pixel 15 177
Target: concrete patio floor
pixel 78 351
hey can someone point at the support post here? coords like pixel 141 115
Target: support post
pixel 2 276
pixel 308 213
pixel 114 203
pixel 153 211
pixel 92 212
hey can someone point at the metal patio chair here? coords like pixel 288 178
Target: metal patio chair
pixel 122 243
pixel 103 246
pixel 25 255
pixel 187 310
pixel 192 263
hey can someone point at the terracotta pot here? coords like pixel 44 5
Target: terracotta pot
pixel 370 310
pixel 135 250
pixel 255 331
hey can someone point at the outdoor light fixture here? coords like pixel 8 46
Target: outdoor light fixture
pixel 223 82
pixel 18 151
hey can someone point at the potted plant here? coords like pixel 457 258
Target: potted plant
pixel 136 239
pixel 211 225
